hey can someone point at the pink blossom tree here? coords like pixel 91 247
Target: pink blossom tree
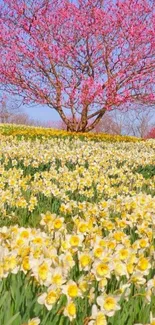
pixel 81 58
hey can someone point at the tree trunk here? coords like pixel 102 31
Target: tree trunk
pixel 95 122
pixel 82 126
pixel 84 119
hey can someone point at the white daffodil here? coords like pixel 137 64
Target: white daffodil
pixel 34 321
pixel 70 310
pixel 49 298
pixel 71 289
pixel 109 304
pixel 97 317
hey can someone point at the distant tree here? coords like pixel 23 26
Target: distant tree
pixel 151 134
pixel 60 125
pixel 23 119
pixel 139 122
pixel 7 110
pixel 108 125
pixel 136 121
pixel 11 112
pixel 81 58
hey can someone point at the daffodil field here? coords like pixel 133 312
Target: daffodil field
pixel 77 228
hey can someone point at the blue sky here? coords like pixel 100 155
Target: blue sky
pixel 46 114
pixel 41 113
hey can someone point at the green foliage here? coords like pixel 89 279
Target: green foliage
pixel 147 171
pixel 20 295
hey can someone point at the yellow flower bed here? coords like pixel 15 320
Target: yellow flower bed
pixel 15 130
pixel 78 223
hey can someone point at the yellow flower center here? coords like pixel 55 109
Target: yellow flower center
pixel 102 269
pixel 72 290
pixel 20 242
pixel 37 240
pixel 24 234
pixel 123 254
pixel 57 279
pixel 82 227
pixel 26 264
pixel 100 320
pixel 47 218
pixel 24 251
pixel 12 262
pixel 42 271
pixel 110 226
pixel 143 264
pixel 83 286
pixel 130 268
pixel 98 252
pixel 71 309
pixel 51 298
pixel 102 283
pixel 74 241
pixel 85 260
pixel 102 243
pixel 33 322
pixel 118 235
pixel 109 303
pixel 111 245
pixel 57 224
pixel 37 253
pixel 69 259
pixel 143 243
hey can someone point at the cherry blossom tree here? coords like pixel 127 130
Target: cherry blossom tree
pixel 81 58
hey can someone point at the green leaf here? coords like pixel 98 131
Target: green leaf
pixel 3 298
pixel 12 319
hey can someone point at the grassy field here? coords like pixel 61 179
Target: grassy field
pixel 77 228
